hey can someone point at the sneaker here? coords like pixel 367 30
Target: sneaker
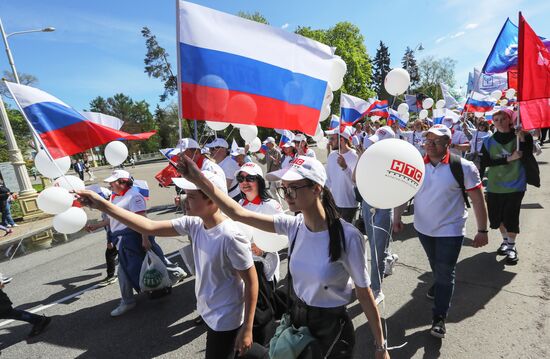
pixel 8 225
pixel 438 327
pixel 40 326
pixel 379 297
pixel 390 263
pixel 108 280
pixel 121 309
pixel 430 294
pixel 15 225
pixel 501 251
pixel 512 256
pixel 198 321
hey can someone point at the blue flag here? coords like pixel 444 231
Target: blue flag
pixel 505 50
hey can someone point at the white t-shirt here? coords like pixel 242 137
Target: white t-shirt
pixel 357 139
pixel 310 153
pixel 132 201
pixel 218 253
pixel 439 208
pixel 271 261
pixel 316 280
pixel 415 138
pixel 340 181
pixel 229 167
pixel 477 140
pixel 286 161
pixel 459 138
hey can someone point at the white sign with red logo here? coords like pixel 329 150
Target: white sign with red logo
pixel 389 173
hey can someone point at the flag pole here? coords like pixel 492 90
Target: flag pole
pixel 178 77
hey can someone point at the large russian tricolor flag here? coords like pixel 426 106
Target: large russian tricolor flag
pixel 239 71
pixel 478 102
pixel 61 129
pixel 352 109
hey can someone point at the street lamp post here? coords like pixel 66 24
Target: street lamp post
pixel 27 194
pixel 418 47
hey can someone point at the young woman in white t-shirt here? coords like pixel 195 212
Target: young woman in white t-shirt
pixel 327 255
pixel 226 283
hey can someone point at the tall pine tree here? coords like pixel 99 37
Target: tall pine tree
pixel 409 64
pixel 380 68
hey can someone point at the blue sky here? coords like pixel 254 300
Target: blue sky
pixel 97 48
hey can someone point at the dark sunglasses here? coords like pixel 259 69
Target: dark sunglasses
pixel 248 178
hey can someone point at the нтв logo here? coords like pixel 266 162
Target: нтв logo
pixel 406 170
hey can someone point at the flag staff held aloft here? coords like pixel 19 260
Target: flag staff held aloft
pixel 27 194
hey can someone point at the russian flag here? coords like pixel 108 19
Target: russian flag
pixel 379 108
pixel 142 187
pixel 236 70
pixel 396 117
pixel 61 129
pixel 286 136
pixel 263 149
pixel 478 102
pixel 438 115
pixel 334 122
pixel 352 109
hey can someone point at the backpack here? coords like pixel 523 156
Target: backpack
pixel 458 174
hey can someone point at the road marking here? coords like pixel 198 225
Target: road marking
pixel 64 299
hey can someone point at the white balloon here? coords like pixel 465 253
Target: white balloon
pixel 504 102
pixel 318 133
pixel 70 183
pixel 47 167
pixel 322 143
pixel 54 200
pixel 217 126
pixel 255 145
pixel 497 94
pixel 248 132
pixel 329 96
pixel 393 165
pixel 403 108
pixel 116 153
pixel 269 242
pixel 423 114
pixel 510 93
pixel 478 114
pixel 325 113
pixel 397 81
pixel 427 103
pixel 440 104
pixel 339 69
pixel 70 221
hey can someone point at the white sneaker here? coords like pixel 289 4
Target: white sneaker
pixel 379 297
pixel 8 225
pixel 121 309
pixel 15 225
pixel 390 263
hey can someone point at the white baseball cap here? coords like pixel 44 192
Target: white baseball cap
pixel 382 133
pixel 269 140
pixel 216 179
pixel 345 131
pixel 238 151
pixel 187 143
pixel 299 137
pixel 301 167
pixel 251 168
pixel 289 144
pixel 448 122
pixel 440 130
pixel 218 142
pixel 116 175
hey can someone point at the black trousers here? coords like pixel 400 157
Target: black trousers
pixel 110 259
pixel 22 315
pixel 221 345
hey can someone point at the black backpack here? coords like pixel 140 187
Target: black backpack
pixel 458 174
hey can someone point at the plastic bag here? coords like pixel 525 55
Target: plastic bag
pixel 153 275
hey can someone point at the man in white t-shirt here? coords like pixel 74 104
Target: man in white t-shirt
pixel 459 141
pixel 440 216
pixel 220 153
pixel 340 165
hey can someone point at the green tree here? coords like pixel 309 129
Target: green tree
pixel 350 46
pixel 409 64
pixel 256 16
pixel 24 79
pixel 21 132
pixel 381 67
pixel 157 64
pixel 433 72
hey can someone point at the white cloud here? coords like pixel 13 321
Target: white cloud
pixel 471 26
pixel 285 26
pixel 440 39
pixel 458 34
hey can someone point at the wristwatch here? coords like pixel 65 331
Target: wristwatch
pixel 381 348
pixel 482 231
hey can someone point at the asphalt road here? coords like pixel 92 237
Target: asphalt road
pixel 498 311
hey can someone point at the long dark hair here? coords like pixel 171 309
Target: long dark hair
pixel 335 228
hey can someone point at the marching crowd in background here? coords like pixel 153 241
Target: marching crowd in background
pixel 469 163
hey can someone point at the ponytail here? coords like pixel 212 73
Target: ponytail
pixel 335 228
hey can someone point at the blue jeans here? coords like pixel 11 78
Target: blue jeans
pixel 6 215
pixel 379 241
pixel 442 254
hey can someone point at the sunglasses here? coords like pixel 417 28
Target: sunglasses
pixel 248 178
